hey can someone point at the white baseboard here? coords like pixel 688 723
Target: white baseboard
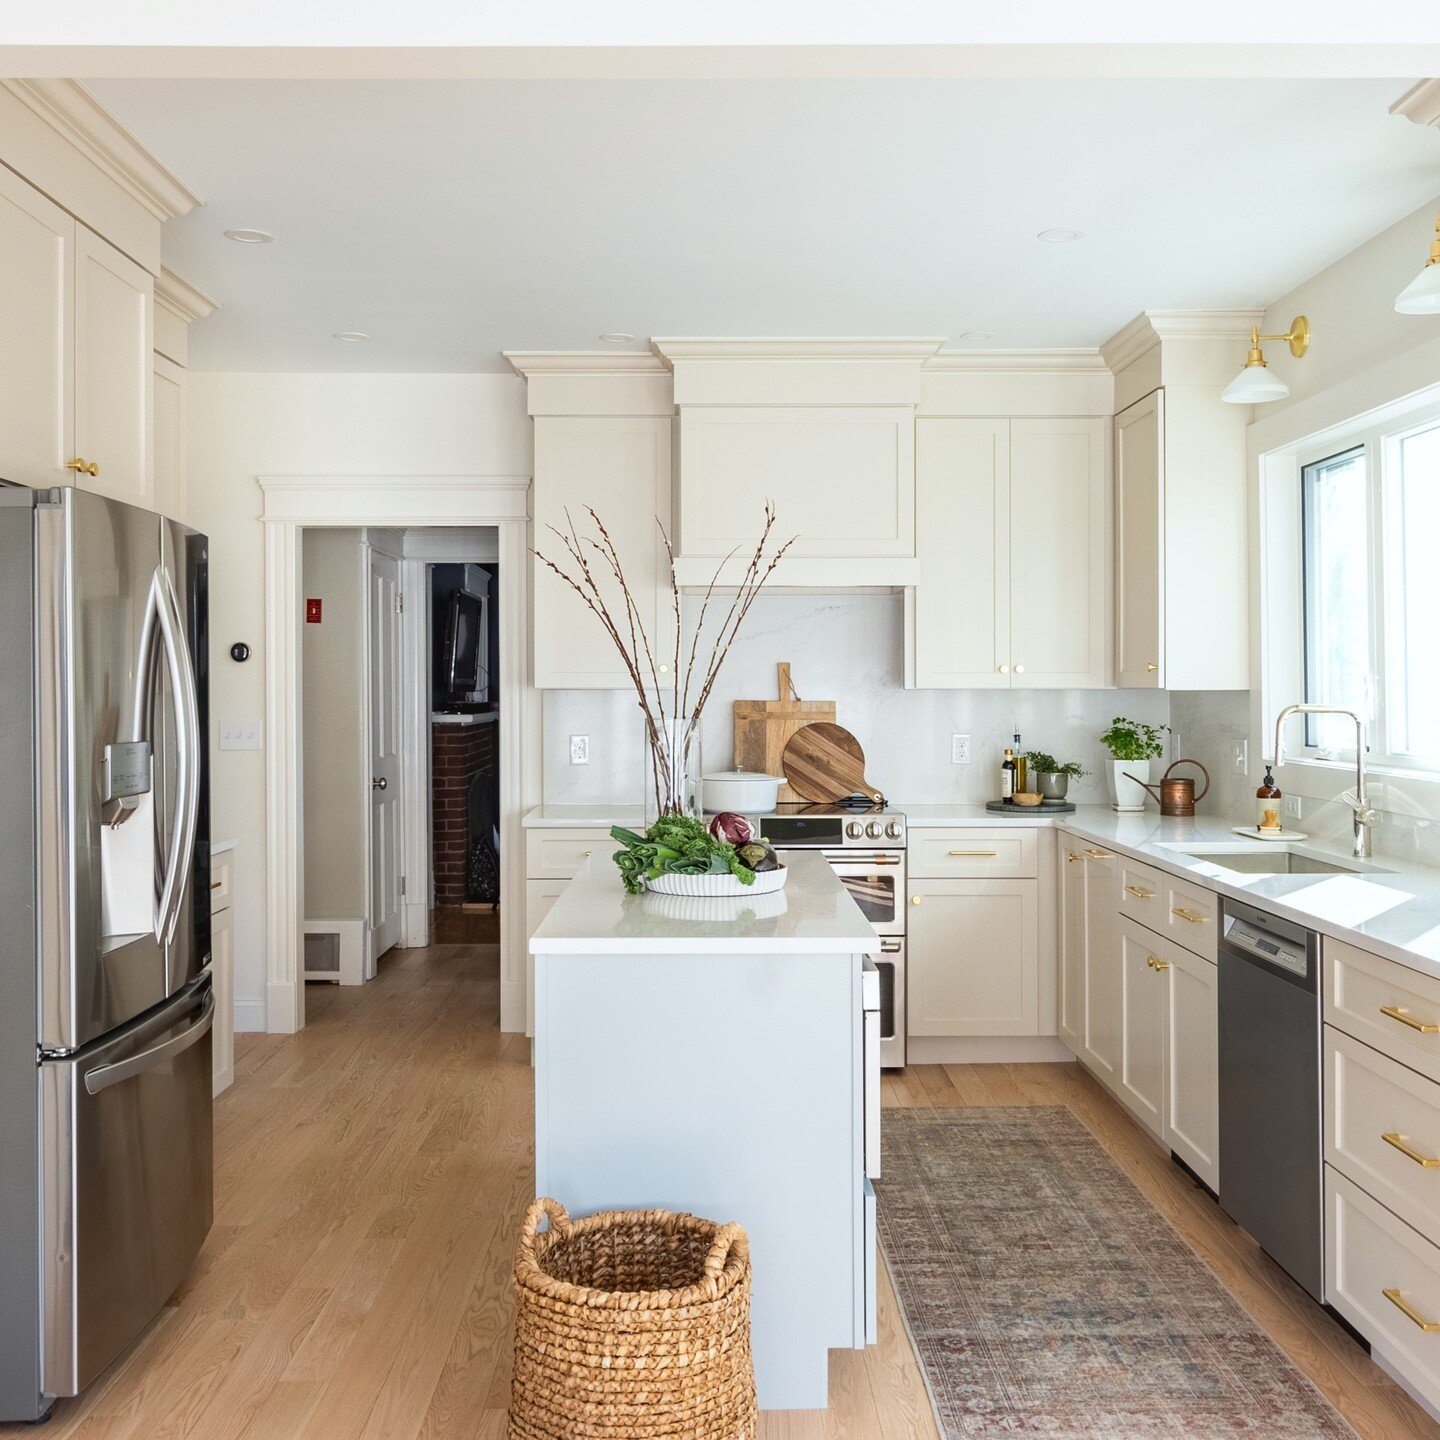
pixel 415 924
pixel 250 1017
pixel 985 1050
pixel 512 1006
pixel 280 1007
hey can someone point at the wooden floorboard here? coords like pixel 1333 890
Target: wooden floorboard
pixel 371 1172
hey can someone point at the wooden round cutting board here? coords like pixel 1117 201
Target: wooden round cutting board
pixel 824 761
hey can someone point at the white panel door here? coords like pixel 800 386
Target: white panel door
pixel 37 361
pixel 386 771
pixel 1072 942
pixel 620 467
pixel 114 361
pixel 1144 996
pixel 1192 1101
pixel 1140 544
pixel 1102 964
pixel 960 613
pixel 1059 554
pixel 973 957
pixel 169 398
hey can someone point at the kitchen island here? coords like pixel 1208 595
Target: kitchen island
pixel 711 1056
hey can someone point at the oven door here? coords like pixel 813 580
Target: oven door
pixel 876 882
pixel 890 962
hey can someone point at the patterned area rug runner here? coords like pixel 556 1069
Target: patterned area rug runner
pixel 1046 1297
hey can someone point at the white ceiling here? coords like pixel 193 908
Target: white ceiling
pixel 451 220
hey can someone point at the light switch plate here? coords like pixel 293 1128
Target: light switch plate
pixel 1292 807
pixel 960 749
pixel 242 735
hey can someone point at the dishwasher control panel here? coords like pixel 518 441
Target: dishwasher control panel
pixel 1252 940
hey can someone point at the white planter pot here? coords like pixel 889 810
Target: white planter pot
pixel 1125 794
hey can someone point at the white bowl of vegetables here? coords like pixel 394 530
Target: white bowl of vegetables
pixel 679 855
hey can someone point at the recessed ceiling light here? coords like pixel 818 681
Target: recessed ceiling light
pixel 977 335
pixel 1060 236
pixel 351 337
pixel 250 237
pixel 616 337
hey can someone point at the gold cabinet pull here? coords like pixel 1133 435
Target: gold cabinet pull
pixel 1156 963
pixel 971 854
pixel 1410 1312
pixel 1139 892
pixel 216 884
pixel 1071 857
pixel 1098 855
pixel 1152 667
pixel 1192 916
pixel 1393 1137
pixel 1400 1013
pixel 80 465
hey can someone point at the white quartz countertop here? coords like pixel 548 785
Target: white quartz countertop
pixel 812 915
pixel 1389 908
pixel 584 817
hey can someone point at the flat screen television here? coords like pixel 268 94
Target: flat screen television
pixel 463 659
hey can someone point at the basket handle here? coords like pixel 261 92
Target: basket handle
pixel 537 1211
pixel 728 1237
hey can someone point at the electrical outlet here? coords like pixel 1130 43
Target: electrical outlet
pixel 1242 756
pixel 960 749
pixel 242 735
pixel 1292 807
pixel 579 749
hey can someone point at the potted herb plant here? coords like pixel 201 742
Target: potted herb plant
pixel 1132 745
pixel 1052 777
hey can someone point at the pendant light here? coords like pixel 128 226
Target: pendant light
pixel 1422 295
pixel 1255 385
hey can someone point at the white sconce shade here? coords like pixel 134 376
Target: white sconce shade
pixel 1254 385
pixel 1422 295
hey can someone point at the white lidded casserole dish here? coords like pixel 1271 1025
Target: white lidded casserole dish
pixel 747 792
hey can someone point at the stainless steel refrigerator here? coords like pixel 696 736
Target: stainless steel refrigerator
pixel 105 993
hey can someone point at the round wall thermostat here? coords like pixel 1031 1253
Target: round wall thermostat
pixel 239 651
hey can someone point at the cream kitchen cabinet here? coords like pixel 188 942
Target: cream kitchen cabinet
pixel 1140 1076
pixel 1013 537
pixel 222 971
pixel 973 954
pixel 620 466
pixel 1101 1038
pixel 1192 1061
pixel 75 376
pixel 169 381
pixel 1070 1006
pixel 1181 543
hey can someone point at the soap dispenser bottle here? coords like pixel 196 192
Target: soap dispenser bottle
pixel 1267 805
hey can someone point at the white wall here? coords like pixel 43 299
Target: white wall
pixel 243 426
pixel 332 665
pixel 850 649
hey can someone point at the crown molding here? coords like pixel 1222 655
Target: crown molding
pixel 185 301
pixel 74 113
pixel 1016 362
pixel 584 362
pixel 736 348
pixel 1151 327
pixel 1420 103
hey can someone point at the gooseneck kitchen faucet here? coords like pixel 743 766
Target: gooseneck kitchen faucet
pixel 1365 817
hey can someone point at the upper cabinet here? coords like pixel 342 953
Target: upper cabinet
pixel 1181 513
pixel 37 359
pixel 1013 538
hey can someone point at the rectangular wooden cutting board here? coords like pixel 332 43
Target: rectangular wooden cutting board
pixel 763 727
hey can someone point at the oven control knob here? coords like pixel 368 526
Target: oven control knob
pixel 894 829
pixel 854 829
pixel 874 830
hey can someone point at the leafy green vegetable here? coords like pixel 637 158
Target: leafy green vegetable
pixel 675 845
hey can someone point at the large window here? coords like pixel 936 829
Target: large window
pixel 1371 530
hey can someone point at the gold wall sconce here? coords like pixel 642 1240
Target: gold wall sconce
pixel 1255 385
pixel 1422 295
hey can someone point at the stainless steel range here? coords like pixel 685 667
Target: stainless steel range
pixel 865 846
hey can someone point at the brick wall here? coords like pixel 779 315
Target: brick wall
pixel 458 753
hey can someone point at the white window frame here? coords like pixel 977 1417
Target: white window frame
pixel 1312 771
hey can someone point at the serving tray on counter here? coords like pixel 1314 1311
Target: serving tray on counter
pixel 1045 807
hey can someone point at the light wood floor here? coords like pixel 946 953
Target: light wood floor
pixel 370 1175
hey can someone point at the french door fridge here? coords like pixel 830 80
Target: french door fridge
pixel 105 993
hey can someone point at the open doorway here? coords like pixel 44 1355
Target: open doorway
pixel 400 772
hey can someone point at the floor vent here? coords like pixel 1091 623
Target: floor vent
pixel 322 956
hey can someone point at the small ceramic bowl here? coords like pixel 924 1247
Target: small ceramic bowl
pixel 1028 797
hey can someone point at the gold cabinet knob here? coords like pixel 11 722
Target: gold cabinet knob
pixel 82 466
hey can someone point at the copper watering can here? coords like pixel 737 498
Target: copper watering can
pixel 1176 797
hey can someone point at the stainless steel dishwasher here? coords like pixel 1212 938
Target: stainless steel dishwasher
pixel 1271 1146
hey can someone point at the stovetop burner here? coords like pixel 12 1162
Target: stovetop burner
pixel 850 805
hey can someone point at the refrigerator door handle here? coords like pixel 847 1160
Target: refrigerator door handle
pixel 182 686
pixel 108 1075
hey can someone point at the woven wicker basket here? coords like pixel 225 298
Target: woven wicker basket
pixel 631 1325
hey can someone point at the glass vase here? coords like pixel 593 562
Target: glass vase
pixel 672 770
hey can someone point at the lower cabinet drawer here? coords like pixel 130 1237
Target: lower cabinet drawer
pixel 1142 894
pixel 220 882
pixel 1382 1126
pixel 1384 1279
pixel 1192 917
pixel 558 854
pixel 1394 1009
pixel 974 854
